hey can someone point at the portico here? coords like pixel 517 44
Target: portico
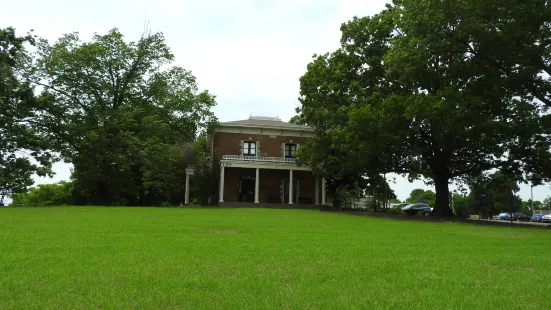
pixel 268 181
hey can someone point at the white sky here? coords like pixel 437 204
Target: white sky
pixel 249 53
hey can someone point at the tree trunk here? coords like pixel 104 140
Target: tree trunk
pixel 442 207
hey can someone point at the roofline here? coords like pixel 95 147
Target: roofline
pixel 268 127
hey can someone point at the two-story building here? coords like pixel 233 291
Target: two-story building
pixel 258 163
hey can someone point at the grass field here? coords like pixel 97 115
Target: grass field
pixel 93 257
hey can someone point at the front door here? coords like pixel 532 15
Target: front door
pixel 246 190
pixel 286 191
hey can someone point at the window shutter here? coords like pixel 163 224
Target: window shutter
pixel 283 149
pixel 241 148
pixel 257 149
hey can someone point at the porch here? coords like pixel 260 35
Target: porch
pixel 266 180
pixel 270 184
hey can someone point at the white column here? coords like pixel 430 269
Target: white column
pixel 323 192
pixel 256 185
pixel 317 199
pixel 186 199
pixel 222 184
pixel 291 187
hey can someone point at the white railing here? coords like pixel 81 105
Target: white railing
pixel 259 158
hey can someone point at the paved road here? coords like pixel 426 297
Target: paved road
pixel 519 222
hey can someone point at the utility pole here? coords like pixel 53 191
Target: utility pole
pixel 511 206
pixel 386 194
pixel 532 199
pixel 451 202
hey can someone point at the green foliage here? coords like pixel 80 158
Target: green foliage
pixel 396 211
pixel 422 196
pixel 45 195
pixel 346 196
pixel 127 114
pixel 379 189
pixel 547 203
pixel 206 178
pixel 23 151
pixel 403 94
pixel 460 205
pixel 494 195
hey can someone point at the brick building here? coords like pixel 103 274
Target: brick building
pixel 258 163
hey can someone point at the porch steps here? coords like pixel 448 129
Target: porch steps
pixel 267 205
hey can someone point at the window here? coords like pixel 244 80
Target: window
pixel 249 148
pixel 290 150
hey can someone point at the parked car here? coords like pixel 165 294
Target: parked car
pixel 521 217
pixel 497 217
pixel 537 217
pixel 398 205
pixel 546 218
pixel 415 208
pixel 504 216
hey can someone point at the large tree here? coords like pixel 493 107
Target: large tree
pixel 511 38
pixel 120 113
pixel 23 151
pixel 397 98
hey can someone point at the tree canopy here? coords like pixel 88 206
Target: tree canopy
pixel 120 112
pixel 23 150
pixel 405 93
pixel 419 195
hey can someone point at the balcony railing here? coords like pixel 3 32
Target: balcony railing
pixel 259 158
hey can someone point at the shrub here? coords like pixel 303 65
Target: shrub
pixel 347 196
pixel 396 211
pixel 46 195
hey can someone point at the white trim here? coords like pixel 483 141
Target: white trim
pixel 268 131
pixel 259 158
pixel 265 126
pixel 263 165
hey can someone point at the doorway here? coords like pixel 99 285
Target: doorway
pixel 286 191
pixel 246 190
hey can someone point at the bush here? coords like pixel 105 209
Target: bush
pixel 346 197
pixel 396 211
pixel 46 195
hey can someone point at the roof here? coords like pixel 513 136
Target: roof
pixel 265 122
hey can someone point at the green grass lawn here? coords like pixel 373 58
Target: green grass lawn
pixel 93 257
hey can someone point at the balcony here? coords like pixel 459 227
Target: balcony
pixel 259 158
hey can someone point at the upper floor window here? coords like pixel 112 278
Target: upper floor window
pixel 249 148
pixel 290 150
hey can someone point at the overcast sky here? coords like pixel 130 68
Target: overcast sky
pixel 249 53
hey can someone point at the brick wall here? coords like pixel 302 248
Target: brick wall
pixel 270 146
